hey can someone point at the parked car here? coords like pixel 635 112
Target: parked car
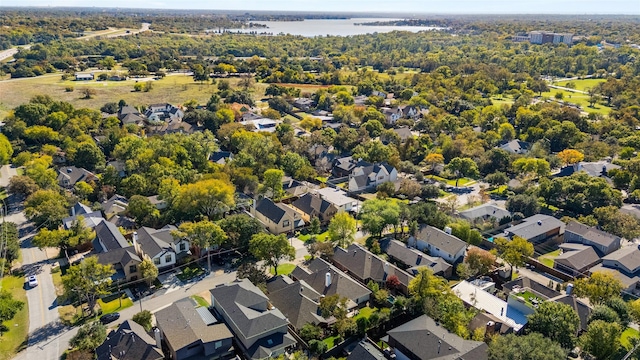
pixel 33 281
pixel 105 319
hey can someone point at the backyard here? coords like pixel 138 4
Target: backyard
pixel 548 258
pixel 13 340
pixel 625 337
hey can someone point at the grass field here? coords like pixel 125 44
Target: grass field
pixel 579 99
pixel 319 237
pixel 283 269
pixel 16 337
pixel 582 84
pixel 627 335
pixel 547 258
pixel 452 182
pixel 114 305
pixel 200 300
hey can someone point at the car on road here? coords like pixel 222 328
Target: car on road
pixel 105 319
pixel 32 281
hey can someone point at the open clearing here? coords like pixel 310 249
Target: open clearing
pixel 582 84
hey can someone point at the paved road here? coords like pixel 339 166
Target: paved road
pixel 6 173
pixel 567 89
pixel 5 54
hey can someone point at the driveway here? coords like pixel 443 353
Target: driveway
pixel 6 173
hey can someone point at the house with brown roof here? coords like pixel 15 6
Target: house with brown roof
pixel 193 332
pixel 364 266
pixel 69 176
pixel 313 205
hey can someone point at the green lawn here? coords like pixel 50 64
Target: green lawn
pixel 322 179
pixel 200 300
pixel 365 312
pixel 331 341
pixel 451 182
pixel 501 100
pixel 499 190
pixel 319 237
pixel 578 99
pixel 582 84
pixel 15 339
pixel 114 305
pixel 627 335
pixel 547 258
pixel 190 272
pixel 283 269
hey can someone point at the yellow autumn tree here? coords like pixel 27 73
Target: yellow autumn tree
pixel 570 156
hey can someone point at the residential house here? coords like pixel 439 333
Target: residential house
pixel 116 205
pixel 366 350
pixel 293 187
pixel 262 124
pixel 84 77
pixel 404 133
pixel 119 166
pixel 89 217
pixel 338 198
pixel 484 213
pixel 170 127
pixel 221 157
pixel 130 115
pixel 344 166
pixel 304 104
pixel 69 176
pixel 328 280
pixel 369 176
pixel 312 205
pixel 260 329
pixel 576 259
pixel 391 115
pixel 360 100
pixel 425 339
pixel 603 242
pixel 155 200
pixel 412 260
pixel 113 249
pixel 624 264
pixel 163 113
pixel 438 243
pixel 193 332
pixel 364 266
pixel 516 147
pixel 513 312
pixel 595 169
pixel 582 309
pixel 298 301
pixel 409 111
pixel 129 342
pixel 278 218
pixel 160 246
pixel 536 229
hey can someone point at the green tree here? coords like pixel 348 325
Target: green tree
pixel 479 261
pixel 148 271
pixel 525 204
pixel 318 347
pixel 271 249
pixel 142 210
pixel 239 229
pixel 557 321
pixel 87 281
pixel 83 190
pixel 11 249
pixel 528 347
pixel 202 235
pixel 377 214
pixel 273 182
pixel 46 208
pixel 602 339
pixel 6 151
pixel 600 287
pixel 89 336
pixel 144 319
pixel 9 307
pixel 514 252
pixel 310 331
pixel 89 156
pixel 462 167
pixel 211 197
pixel 342 229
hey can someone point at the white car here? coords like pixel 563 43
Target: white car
pixel 33 281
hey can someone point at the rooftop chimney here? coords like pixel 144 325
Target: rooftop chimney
pixel 135 238
pixel 158 337
pixel 327 279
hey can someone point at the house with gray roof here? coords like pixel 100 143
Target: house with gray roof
pixel 193 332
pixel 89 217
pixel 412 260
pixel 624 264
pixel 594 169
pixel 298 301
pixel 603 242
pixel 129 342
pixel 366 350
pixel 115 205
pixel 328 280
pixel 438 243
pixel 294 187
pixel 485 212
pixel 260 329
pixel 576 259
pixel 338 198
pixel 313 205
pixel 130 115
pixel 404 133
pixel 365 266
pixel 160 246
pixel 516 147
pixel 113 249
pixel 536 229
pixel 425 339
pixel 367 176
pixel 69 176
pixel 278 218
pixel 221 157
pixel 163 112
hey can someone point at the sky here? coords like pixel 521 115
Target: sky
pixel 625 7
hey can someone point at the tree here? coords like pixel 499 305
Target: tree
pixel 570 156
pixel 22 185
pixel 433 159
pixel 239 229
pixel 210 197
pixel 462 167
pixel 318 347
pixel 528 347
pixel 271 249
pixel 89 336
pixel 602 339
pixel 621 308
pixel 88 155
pixel 142 210
pixel 88 93
pixel 273 181
pixel 514 252
pixel 480 261
pixel 144 319
pixel 87 281
pixel 523 203
pixel 46 208
pixel 557 321
pixel 604 313
pixel 11 249
pixel 634 310
pixel 82 190
pixel 148 270
pixel 314 226
pixel 600 287
pixel 9 307
pixel 323 249
pixel 310 331
pixel 530 167
pixel 342 229
pixel 377 214
pixel 6 151
pixel 333 305
pixel 202 235
pixel 77 234
pixel 463 270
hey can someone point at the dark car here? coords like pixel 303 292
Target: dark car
pixel 105 319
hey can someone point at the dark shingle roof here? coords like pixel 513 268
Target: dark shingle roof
pixel 119 256
pixel 154 242
pixel 366 351
pixel 297 300
pixel 579 257
pixel 183 325
pixel 413 258
pixel 129 342
pixel 427 340
pixel 272 211
pixel 74 174
pixel 107 234
pixel 440 239
pixel 591 233
pixel 536 225
pixel 313 204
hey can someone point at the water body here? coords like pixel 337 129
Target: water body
pixel 324 27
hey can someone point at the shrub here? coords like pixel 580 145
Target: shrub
pixel 68 89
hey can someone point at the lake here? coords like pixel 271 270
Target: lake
pixel 323 27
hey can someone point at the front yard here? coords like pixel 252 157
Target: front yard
pixel 283 269
pixel 114 304
pixel 15 338
pixel 189 272
pixel 319 237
